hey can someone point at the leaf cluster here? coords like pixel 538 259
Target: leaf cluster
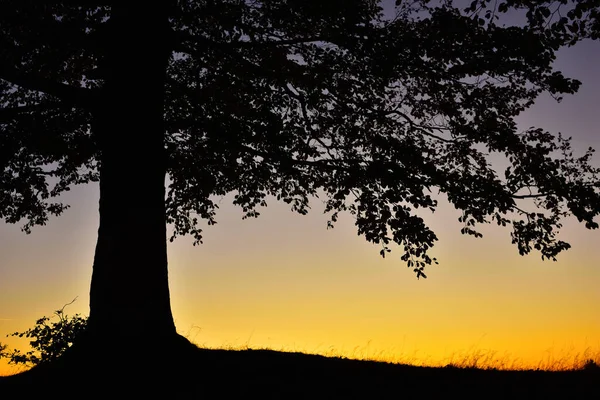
pixel 49 339
pixel 562 21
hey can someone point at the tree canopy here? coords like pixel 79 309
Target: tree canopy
pixel 303 98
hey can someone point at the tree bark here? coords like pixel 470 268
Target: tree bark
pixel 129 295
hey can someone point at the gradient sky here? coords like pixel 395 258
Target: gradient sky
pixel 286 282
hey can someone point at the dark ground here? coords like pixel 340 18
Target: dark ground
pixel 266 374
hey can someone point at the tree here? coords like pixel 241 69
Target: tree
pixel 286 98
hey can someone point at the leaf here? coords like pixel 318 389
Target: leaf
pixel 573 27
pixel 545 11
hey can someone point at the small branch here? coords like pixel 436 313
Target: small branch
pixel 287 42
pixel 9 113
pixel 324 163
pixel 422 129
pixel 531 196
pixel 82 3
pixel 179 38
pixel 68 94
pixel 425 130
pixel 304 110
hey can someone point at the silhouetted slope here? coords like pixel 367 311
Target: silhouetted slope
pixel 270 374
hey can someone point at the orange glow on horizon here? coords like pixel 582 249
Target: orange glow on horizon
pixel 335 295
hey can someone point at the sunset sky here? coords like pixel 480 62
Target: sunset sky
pixel 284 281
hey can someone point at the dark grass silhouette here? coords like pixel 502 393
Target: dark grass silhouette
pixel 202 373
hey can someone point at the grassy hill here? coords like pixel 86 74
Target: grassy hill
pixel 268 374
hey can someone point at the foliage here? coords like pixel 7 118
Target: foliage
pixel 49 339
pixel 299 99
pixel 564 20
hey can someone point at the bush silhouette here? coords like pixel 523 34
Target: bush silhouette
pixel 49 339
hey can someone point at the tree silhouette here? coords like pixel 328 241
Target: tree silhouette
pixel 284 98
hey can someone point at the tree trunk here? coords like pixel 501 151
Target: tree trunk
pixel 129 296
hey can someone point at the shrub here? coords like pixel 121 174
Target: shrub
pixel 49 339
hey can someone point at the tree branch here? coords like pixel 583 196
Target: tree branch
pixel 531 196
pixel 9 113
pixel 288 42
pixel 69 94
pixel 179 38
pixel 323 163
pixel 424 129
pixel 83 3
